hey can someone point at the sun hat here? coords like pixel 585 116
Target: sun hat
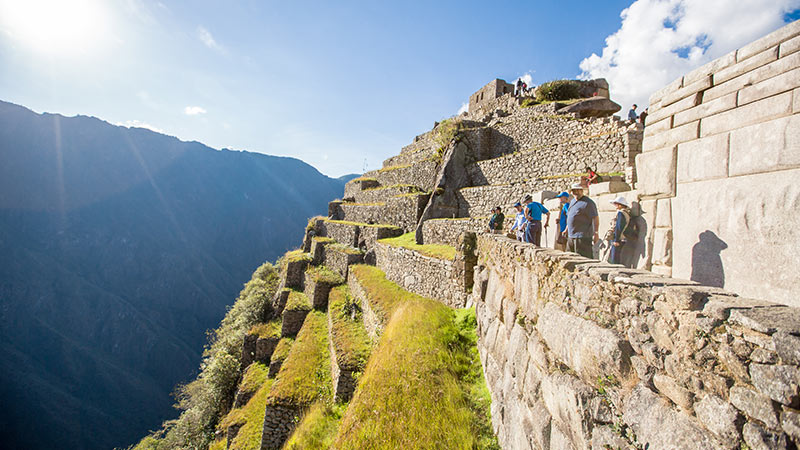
pixel 577 186
pixel 621 201
pixel 528 196
pixel 563 194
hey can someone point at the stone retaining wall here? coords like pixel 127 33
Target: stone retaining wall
pixel 292 321
pixel 724 140
pixel 279 422
pixel 338 259
pixel 420 173
pixel 372 323
pixel 317 292
pixel 579 354
pixel 402 211
pixel 343 378
pixel 423 275
pixel 446 231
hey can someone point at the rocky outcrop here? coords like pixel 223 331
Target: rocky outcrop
pixel 591 107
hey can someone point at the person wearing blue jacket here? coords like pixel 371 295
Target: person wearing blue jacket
pixel 561 238
pixel 533 213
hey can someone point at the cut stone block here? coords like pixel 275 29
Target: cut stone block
pixel 765 57
pixel 759 73
pixel 664 213
pixel 769 87
pixel 703 159
pixel 789 47
pixel 664 112
pixel 705 109
pixel 674 136
pixel 588 348
pixel 657 425
pixel 776 37
pixel 765 146
pixel 608 187
pixel 769 319
pixel 760 111
pixel 687 90
pixel 657 172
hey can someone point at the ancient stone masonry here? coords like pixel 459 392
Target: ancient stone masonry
pixel 424 275
pixel 721 156
pixel 595 354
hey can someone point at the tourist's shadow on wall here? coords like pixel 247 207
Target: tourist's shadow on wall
pixel 706 260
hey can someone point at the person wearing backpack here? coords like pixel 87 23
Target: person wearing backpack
pixel 625 229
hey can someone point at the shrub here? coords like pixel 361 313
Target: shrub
pixel 558 90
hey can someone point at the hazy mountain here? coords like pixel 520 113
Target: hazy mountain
pixel 118 249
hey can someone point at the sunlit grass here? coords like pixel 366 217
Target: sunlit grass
pixel 408 241
pixel 317 429
pixel 350 339
pixel 271 329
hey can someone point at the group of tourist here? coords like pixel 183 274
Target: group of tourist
pixel 633 117
pixel 578 224
pixel 521 88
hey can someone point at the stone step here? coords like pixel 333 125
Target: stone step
pixel 260 342
pixel 359 184
pixel 420 173
pixel 362 236
pixel 411 157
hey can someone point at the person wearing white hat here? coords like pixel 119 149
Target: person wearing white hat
pixel 583 223
pixel 623 221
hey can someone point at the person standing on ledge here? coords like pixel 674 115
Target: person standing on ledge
pixel 519 222
pixel 582 223
pixel 561 238
pixel 632 116
pixel 643 116
pixel 533 213
pixel 496 222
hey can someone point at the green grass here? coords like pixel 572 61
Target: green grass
pixel 298 301
pixel 423 386
pixel 322 239
pixel 313 221
pixel 345 249
pixel 305 375
pixel 296 255
pixel 282 349
pixel 317 429
pixel 251 418
pixel 220 444
pixel 383 295
pixel 322 274
pixel 433 250
pixel 271 329
pixel 410 194
pixel 254 377
pixel 360 224
pixel 349 337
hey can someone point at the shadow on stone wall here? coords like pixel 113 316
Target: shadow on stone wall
pixel 706 260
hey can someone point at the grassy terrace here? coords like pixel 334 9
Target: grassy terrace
pixel 317 429
pixel 282 349
pixel 363 204
pixel 322 239
pixel 395 186
pixel 271 329
pixel 251 415
pixel 360 179
pixel 296 255
pixel 423 386
pixel 433 250
pixel 359 224
pixel 305 375
pixel 349 337
pixel 298 301
pixel 322 274
pixel 345 249
pixel 383 295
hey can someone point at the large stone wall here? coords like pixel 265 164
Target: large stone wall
pixel 579 354
pixel 722 157
pixel 430 277
pixel 447 231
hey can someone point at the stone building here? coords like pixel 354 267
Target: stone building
pixel 493 90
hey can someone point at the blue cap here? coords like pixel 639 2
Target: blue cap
pixel 563 194
pixel 517 204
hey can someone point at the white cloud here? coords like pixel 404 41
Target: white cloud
pixel 206 38
pixel 527 78
pixel 464 108
pixel 139 124
pixel 194 110
pixel 660 40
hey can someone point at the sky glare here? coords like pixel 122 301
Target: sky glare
pixel 343 85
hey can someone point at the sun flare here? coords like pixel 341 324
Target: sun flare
pixel 55 27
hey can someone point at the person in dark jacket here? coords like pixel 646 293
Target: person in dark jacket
pixel 623 221
pixel 496 222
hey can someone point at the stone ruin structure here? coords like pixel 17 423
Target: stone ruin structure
pixel 579 353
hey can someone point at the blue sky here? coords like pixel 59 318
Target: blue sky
pixel 335 83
